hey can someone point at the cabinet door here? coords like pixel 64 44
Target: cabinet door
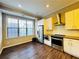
pixel 69 17
pixel 76 18
pixel 49 24
pixel 45 26
pixel 75 47
pixel 67 45
pixel 48 42
pixel 63 18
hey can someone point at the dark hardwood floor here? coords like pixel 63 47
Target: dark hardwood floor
pixel 34 51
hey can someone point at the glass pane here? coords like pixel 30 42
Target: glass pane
pixel 30 24
pixel 30 31
pixel 12 33
pixel 12 22
pixel 22 23
pixel 22 32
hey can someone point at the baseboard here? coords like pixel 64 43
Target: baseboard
pixel 13 45
pixel 1 51
pixel 71 55
pixel 16 44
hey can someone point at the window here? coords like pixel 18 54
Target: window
pixel 22 28
pixel 17 27
pixel 30 27
pixel 12 27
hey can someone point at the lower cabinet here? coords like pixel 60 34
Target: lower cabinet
pixel 75 48
pixel 71 46
pixel 48 42
pixel 67 45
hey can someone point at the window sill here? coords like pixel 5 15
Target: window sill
pixel 21 37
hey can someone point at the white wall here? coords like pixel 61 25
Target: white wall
pixel 0 30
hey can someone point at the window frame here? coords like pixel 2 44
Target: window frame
pixel 31 28
pixel 10 16
pixel 22 28
pixel 18 32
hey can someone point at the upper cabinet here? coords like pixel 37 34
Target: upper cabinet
pixel 49 23
pixel 69 19
pixel 62 18
pixel 72 19
pixel 76 18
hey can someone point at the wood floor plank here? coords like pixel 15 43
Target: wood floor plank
pixel 34 50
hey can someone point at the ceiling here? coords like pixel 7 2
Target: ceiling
pixel 38 7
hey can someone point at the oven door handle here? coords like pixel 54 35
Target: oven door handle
pixel 56 39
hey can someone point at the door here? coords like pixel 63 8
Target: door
pixel 41 33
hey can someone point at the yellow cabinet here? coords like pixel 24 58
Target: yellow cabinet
pixel 45 26
pixel 69 17
pixel 72 19
pixel 62 18
pixel 76 18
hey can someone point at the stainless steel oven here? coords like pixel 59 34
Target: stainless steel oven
pixel 57 41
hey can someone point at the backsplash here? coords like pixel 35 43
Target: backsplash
pixel 62 30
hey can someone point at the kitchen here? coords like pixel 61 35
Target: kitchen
pixel 63 24
pixel 39 29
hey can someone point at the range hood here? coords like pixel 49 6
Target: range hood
pixel 58 17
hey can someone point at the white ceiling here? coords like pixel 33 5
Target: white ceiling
pixel 38 7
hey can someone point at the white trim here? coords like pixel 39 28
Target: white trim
pixel 1 51
pixel 13 45
pixel 16 14
pixel 16 44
